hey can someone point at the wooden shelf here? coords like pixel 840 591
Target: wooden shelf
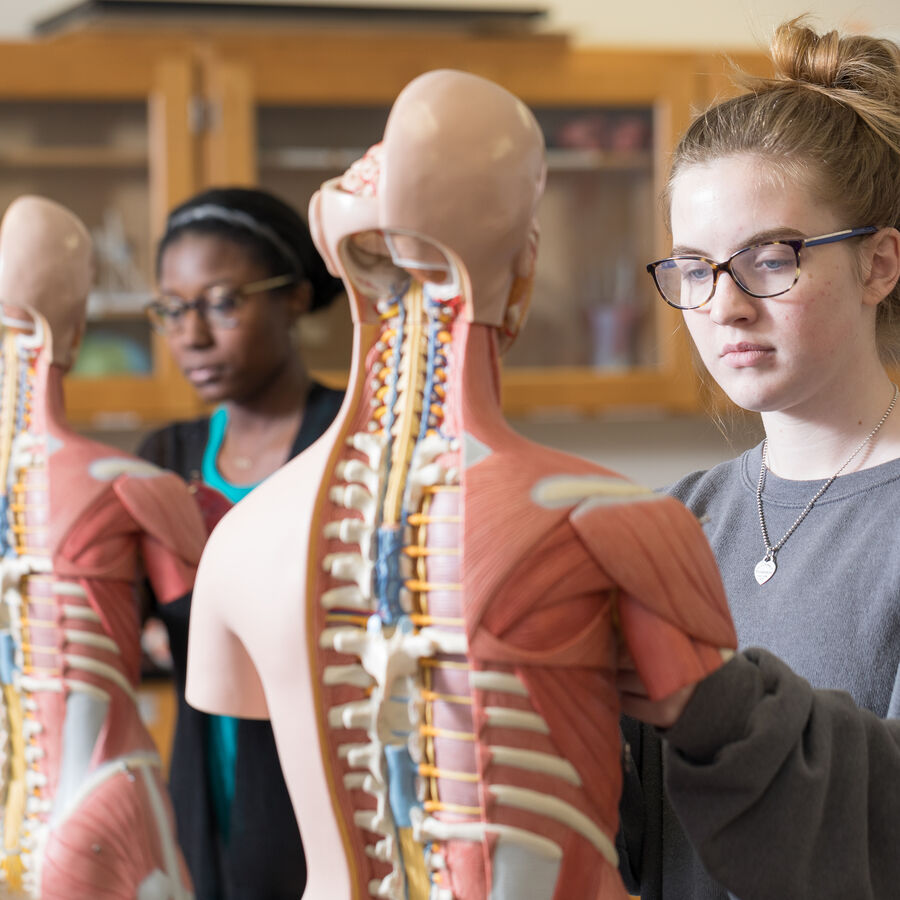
pixel 74 157
pixel 127 401
pixel 589 391
pixel 583 390
pixel 315 159
pixel 326 159
pixel 565 160
pixel 155 156
pixel 110 305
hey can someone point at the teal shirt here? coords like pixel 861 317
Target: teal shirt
pixel 222 733
pixel 210 473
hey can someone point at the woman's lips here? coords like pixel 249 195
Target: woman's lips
pixel 739 356
pixel 201 375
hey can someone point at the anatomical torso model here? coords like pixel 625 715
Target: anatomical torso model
pixel 83 805
pixel 432 608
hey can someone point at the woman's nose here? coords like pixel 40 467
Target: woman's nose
pixel 195 330
pixel 730 303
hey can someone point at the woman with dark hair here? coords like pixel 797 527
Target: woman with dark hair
pixel 236 268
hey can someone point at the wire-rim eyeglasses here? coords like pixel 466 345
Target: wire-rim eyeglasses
pixel 219 305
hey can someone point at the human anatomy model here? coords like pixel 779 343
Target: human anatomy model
pixel 429 607
pixel 83 806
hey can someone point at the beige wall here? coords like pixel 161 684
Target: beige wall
pixel 738 24
pixel 657 23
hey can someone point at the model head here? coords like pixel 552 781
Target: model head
pixel 46 268
pixel 452 188
pixel 463 164
pixel 827 125
pixel 235 269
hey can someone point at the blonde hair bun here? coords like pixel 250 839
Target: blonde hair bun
pixel 860 71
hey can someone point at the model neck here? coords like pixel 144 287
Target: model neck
pixel 474 394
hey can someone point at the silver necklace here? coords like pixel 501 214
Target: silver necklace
pixel 765 568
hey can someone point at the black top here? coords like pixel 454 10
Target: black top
pixel 263 858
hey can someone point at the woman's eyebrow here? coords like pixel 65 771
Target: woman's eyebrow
pixel 219 281
pixel 759 237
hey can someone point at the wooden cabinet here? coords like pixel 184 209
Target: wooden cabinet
pixel 121 126
pixel 101 125
pixel 295 110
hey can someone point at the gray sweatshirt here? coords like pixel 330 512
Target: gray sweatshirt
pixel 785 792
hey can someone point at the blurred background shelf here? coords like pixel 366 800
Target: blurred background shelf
pixel 122 124
pixel 73 157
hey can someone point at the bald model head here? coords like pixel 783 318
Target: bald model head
pixel 46 267
pixel 463 163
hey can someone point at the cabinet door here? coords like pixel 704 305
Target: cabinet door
pixel 598 336
pixel 111 141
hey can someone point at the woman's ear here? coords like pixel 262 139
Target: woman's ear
pixel 883 260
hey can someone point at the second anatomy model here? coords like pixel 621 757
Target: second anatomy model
pixel 83 804
pixel 433 607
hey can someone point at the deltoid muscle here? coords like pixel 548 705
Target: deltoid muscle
pixel 83 806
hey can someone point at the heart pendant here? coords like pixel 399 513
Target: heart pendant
pixel 765 569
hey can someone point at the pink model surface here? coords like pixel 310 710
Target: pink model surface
pixel 430 608
pixel 83 805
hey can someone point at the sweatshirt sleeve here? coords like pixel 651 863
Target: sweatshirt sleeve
pixel 786 791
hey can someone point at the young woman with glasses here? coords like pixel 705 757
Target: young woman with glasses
pixel 784 767
pixel 236 267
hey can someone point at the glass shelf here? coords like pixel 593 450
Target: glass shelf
pixel 103 305
pixel 73 157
